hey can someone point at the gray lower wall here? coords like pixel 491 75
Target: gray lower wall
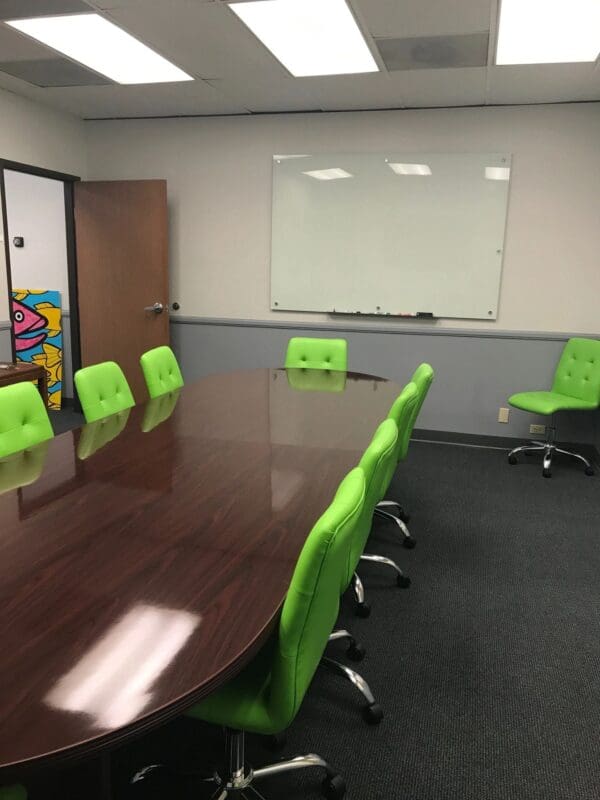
pixel 475 371
pixel 5 348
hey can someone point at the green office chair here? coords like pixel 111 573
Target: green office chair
pixel 103 390
pixel 22 469
pixel 14 792
pixel 576 387
pixel 306 353
pixel 96 435
pixel 161 371
pixel 24 420
pixel 159 410
pixel 378 463
pixel 405 411
pixel 316 380
pixel 266 696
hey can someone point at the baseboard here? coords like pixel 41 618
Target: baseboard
pixel 503 442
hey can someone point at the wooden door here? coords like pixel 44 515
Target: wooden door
pixel 122 272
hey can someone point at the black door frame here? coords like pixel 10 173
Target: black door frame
pixel 68 181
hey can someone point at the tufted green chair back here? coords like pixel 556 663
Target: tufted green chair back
pixel 161 371
pixel 306 353
pixel 578 371
pixel 24 420
pixel 103 390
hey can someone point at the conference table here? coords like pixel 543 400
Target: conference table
pixel 140 572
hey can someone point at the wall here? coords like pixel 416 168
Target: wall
pixel 33 134
pixel 219 183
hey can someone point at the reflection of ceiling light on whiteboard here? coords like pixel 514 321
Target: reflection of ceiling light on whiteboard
pixel 309 37
pixel 542 32
pixel 411 169
pixel 102 46
pixel 497 173
pixel 328 174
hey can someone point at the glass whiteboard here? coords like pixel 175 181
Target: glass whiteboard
pixel 389 233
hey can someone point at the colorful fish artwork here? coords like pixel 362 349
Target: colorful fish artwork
pixel 37 330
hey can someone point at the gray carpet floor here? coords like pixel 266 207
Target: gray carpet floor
pixel 487 667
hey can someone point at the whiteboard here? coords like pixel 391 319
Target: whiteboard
pixel 389 233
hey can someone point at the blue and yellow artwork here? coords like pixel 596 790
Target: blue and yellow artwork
pixel 37 331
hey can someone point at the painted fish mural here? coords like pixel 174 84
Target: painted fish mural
pixel 37 329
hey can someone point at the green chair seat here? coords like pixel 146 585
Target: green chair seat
pixel 161 371
pixel 24 420
pixel 103 390
pixel 266 696
pixel 549 402
pixel 309 353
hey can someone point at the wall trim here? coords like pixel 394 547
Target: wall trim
pixel 413 329
pixel 4 325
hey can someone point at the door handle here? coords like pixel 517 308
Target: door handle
pixel 157 308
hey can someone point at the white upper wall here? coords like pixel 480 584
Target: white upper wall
pixel 33 134
pixel 219 185
pixel 35 209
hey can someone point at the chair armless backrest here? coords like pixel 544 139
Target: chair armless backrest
pixel 306 353
pixel 403 413
pixel 312 603
pixel 422 379
pixel 24 420
pixel 316 380
pixel 161 371
pixel 22 468
pixel 378 464
pixel 103 390
pixel 578 371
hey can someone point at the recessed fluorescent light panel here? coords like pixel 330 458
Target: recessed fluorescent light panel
pixel 548 31
pixel 309 37
pixel 333 174
pixel 98 44
pixel 497 173
pixel 411 169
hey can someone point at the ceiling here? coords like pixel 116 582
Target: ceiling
pixel 447 61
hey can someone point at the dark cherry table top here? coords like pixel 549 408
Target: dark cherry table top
pixel 136 579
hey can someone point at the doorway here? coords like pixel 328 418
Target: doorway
pixel 38 285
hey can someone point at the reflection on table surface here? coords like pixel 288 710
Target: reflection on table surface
pixel 316 380
pixel 183 518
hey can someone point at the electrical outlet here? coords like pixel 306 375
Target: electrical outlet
pixel 537 429
pixel 503 414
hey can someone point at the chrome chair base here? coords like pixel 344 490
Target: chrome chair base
pixel 363 609
pixel 240 780
pixel 372 711
pixel 548 448
pixel 381 510
pixel 401 579
pixel 355 651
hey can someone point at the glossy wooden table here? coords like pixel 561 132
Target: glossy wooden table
pixel 25 371
pixel 135 581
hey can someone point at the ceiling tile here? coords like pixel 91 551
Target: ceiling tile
pixel 164 99
pixel 424 17
pixel 53 72
pixel 543 83
pixel 355 92
pixel 436 87
pixel 435 52
pixel 19 9
pixel 275 93
pixel 15 46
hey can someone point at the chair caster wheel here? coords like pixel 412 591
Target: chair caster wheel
pixel 589 470
pixel 512 460
pixel 334 787
pixel 546 473
pixel 356 651
pixel 403 581
pixel 363 610
pixel 409 543
pixel 373 714
pixel 276 742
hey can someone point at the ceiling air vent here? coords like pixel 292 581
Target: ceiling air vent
pixel 434 52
